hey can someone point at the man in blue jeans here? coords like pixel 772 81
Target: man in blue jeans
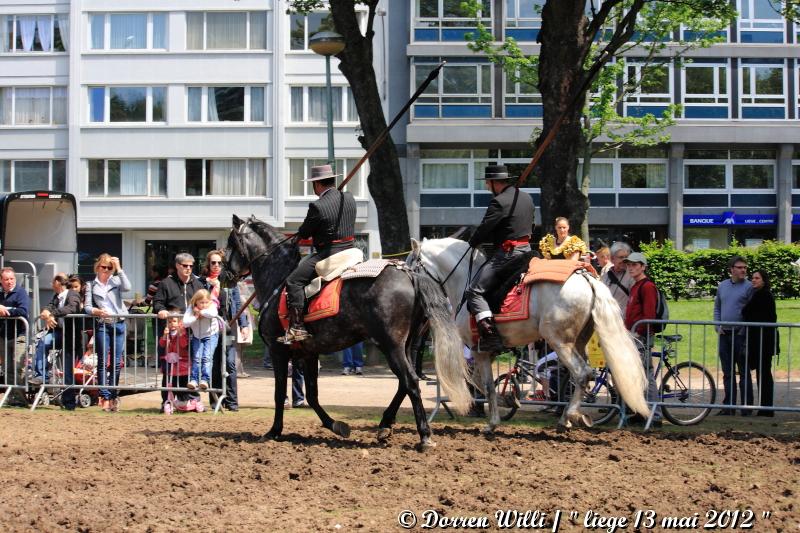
pixel 353 360
pixel 732 295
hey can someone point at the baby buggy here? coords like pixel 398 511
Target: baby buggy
pixel 85 374
pixel 177 370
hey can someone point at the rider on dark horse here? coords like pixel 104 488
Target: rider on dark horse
pixel 508 224
pixel 330 222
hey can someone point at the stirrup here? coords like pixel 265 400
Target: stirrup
pixel 294 335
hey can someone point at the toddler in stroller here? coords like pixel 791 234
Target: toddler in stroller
pixel 175 368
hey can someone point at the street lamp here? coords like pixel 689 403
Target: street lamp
pixel 328 43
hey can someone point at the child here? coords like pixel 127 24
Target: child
pixel 175 345
pixel 201 317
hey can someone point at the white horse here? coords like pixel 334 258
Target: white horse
pixel 564 315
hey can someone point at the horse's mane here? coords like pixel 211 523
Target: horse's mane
pixel 265 231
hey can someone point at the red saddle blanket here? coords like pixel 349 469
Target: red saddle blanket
pixel 323 305
pixel 554 270
pixel 516 306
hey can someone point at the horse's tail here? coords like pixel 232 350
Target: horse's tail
pixel 621 354
pixel 451 367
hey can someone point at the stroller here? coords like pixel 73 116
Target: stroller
pixel 176 368
pixel 85 374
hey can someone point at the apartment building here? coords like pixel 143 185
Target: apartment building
pixel 731 169
pixel 165 117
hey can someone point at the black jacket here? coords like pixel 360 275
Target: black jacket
pixel 332 217
pixel 761 342
pixel 508 217
pixel 172 292
pixel 73 305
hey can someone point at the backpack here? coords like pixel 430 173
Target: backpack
pixel 662 310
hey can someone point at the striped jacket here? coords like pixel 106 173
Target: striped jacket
pixel 331 218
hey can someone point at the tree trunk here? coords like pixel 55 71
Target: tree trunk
pixel 385 180
pixel 564 43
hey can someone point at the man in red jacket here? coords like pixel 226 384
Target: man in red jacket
pixel 642 306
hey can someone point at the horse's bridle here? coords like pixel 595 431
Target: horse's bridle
pixel 418 266
pixel 241 249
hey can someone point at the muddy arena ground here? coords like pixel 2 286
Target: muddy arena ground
pixel 138 470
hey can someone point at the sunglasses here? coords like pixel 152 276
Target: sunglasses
pixel 104 267
pixel 187 266
pixel 215 262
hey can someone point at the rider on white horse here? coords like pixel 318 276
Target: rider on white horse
pixel 508 224
pixel 331 223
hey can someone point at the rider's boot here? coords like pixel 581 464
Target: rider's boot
pixel 490 340
pixel 297 330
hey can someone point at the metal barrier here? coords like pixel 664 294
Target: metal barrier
pixel 15 339
pixel 65 360
pixel 717 368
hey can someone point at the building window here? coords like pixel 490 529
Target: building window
pixel 601 175
pixel 239 30
pixel 227 177
pixel 127 177
pixel 445 175
pixel 462 90
pixel 522 99
pixel 18 176
pixel 796 170
pixel 128 31
pixel 27 106
pixel 446 20
pixel 523 19
pixel 731 170
pixel 127 104
pixel 705 89
pixel 643 175
pixel 34 33
pixel 651 88
pixel 299 169
pixel 226 104
pixel 763 89
pixel 310 104
pixel 760 21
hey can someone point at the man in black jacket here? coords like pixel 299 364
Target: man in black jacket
pixel 331 223
pixel 508 224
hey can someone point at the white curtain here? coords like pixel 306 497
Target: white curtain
pixel 195 104
pixel 257 177
pixel 63 27
pixel 4 35
pixel 352 111
pixel 258 30
pixel 97 23
pixel 444 175
pixel 226 31
pixel 296 176
pixel 296 102
pixel 133 178
pixel 128 31
pixel 213 116
pixel 226 177
pixel 317 103
pixel 194 31
pixel 5 105
pixel 601 174
pixel 32 105
pixel 27 28
pixel 159 30
pixel 257 104
pixel 656 175
pixel 60 105
pixel 44 23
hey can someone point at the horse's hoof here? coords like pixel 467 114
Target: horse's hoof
pixel 587 421
pixel 384 434
pixel 488 429
pixel 341 429
pixel 271 435
pixel 426 445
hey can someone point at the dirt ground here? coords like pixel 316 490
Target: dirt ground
pixel 138 470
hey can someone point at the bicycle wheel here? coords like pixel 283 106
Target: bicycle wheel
pixel 687 383
pixel 506 387
pixel 602 396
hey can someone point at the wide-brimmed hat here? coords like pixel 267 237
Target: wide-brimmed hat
pixel 636 257
pixel 495 172
pixel 322 172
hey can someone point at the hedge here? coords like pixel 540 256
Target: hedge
pixel 697 274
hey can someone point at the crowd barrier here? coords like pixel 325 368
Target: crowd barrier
pixel 52 361
pixel 690 347
pixel 15 337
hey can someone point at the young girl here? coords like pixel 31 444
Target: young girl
pixel 201 317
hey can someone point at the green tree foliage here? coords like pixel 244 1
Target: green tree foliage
pixel 697 274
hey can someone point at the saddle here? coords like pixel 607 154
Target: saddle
pixel 332 267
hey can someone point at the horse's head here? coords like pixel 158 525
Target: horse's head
pixel 255 244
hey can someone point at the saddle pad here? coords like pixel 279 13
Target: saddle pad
pixel 516 306
pixel 554 270
pixel 324 305
pixel 367 269
pixel 334 265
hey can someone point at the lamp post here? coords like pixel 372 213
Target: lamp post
pixel 328 43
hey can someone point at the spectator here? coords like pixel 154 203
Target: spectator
pixel 562 245
pixel 603 258
pixel 14 302
pixel 104 302
pixel 175 291
pixel 297 370
pixel 229 304
pixel 353 360
pixel 642 306
pixel 201 316
pixel 732 295
pixel 616 276
pixel 156 275
pixel 175 343
pixel 762 342
pixel 78 285
pixel 61 334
